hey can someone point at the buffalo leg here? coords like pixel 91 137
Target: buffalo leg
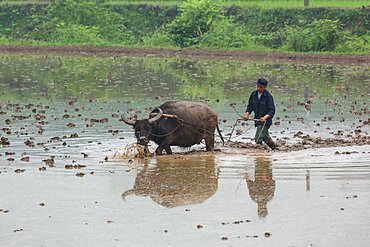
pixel 164 146
pixel 168 150
pixel 210 142
pixel 159 150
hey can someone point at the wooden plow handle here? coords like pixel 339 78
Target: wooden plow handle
pixel 153 114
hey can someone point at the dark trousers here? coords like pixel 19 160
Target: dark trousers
pixel 262 135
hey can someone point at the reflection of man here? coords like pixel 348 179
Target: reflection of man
pixel 262 189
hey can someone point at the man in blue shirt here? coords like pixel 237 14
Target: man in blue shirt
pixel 262 104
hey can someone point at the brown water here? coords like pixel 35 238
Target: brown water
pixel 66 109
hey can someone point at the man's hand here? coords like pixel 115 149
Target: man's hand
pixel 264 118
pixel 246 117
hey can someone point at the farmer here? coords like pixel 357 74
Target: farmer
pixel 262 104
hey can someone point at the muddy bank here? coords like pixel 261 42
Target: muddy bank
pixel 190 54
pixel 238 147
pixel 306 142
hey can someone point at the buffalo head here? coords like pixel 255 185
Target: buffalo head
pixel 143 127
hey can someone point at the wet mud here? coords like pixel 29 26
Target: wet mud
pixel 306 142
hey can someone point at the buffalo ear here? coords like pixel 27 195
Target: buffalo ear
pixel 128 121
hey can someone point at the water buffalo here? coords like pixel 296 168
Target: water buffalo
pixel 194 122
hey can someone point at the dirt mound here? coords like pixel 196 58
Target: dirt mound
pixel 306 142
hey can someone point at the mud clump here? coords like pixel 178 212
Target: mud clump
pixel 19 170
pixel 49 162
pixel 55 139
pixel 103 120
pixel 25 159
pixel 307 142
pixel 42 169
pixel 4 141
pixel 74 166
pixel 346 152
pixel 75 135
pixel 246 145
pixel 29 143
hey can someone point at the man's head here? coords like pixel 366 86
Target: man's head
pixel 261 85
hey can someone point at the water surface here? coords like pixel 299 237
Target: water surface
pixel 62 181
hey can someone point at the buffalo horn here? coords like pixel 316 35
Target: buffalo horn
pixel 128 121
pixel 156 118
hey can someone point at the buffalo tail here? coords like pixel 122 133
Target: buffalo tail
pixel 219 133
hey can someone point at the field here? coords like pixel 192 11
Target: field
pixel 63 178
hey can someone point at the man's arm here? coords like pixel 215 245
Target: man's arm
pixel 249 109
pixel 271 109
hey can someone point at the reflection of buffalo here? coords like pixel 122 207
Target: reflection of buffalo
pixel 177 181
pixel 262 189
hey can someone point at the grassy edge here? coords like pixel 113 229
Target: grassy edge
pixel 293 4
pixel 172 48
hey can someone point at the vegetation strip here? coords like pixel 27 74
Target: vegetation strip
pixel 246 3
pixel 199 24
pixel 190 53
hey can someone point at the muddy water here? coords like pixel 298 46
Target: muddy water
pixel 63 182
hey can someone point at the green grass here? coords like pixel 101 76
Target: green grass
pixel 266 3
pixel 16 2
pixel 248 3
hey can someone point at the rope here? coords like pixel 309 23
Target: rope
pixel 205 130
pixel 237 113
pixel 218 134
pixel 181 122
pixel 236 122
pixel 264 123
pixel 164 135
pixel 209 132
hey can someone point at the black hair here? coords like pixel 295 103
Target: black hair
pixel 262 82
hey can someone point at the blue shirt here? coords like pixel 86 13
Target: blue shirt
pixel 261 106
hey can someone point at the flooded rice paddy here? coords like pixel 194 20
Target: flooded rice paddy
pixel 64 183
